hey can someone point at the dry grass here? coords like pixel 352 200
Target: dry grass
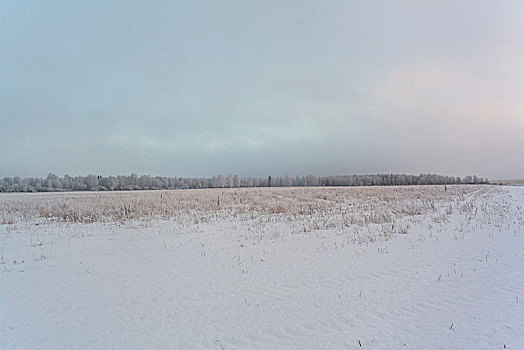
pixel 335 216
pixel 327 206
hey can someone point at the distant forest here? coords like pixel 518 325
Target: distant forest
pixel 53 183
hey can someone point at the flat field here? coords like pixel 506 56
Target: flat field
pixel 272 268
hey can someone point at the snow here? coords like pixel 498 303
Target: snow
pixel 251 274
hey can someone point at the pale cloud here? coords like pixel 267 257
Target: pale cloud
pixel 199 88
pixel 455 116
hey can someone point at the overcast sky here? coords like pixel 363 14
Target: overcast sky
pixel 262 87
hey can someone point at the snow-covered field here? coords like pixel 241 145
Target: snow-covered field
pixel 347 268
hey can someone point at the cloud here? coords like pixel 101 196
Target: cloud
pixel 448 115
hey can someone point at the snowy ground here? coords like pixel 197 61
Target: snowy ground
pixel 351 268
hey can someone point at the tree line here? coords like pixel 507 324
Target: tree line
pixel 54 183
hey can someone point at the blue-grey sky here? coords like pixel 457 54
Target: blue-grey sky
pixel 261 87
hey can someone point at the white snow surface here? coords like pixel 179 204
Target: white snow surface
pixel 449 276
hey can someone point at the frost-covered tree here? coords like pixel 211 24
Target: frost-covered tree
pixel 92 182
pixel 236 181
pixel 311 180
pixel 132 182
